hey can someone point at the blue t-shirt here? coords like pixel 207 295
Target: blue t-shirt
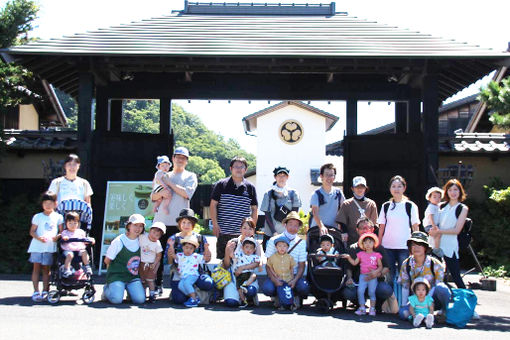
pixel 328 210
pixel 423 306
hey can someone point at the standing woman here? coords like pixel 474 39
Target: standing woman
pixel 397 219
pixel 70 186
pixel 122 260
pixel 277 203
pixel 450 226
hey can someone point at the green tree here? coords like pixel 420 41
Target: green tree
pixel 497 98
pixel 208 170
pixel 140 116
pixel 70 108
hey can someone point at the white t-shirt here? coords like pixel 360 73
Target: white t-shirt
pixel 148 248
pixel 47 226
pixel 397 230
pixel 298 253
pixel 116 246
pixel 66 189
pixel 432 209
pixel 188 265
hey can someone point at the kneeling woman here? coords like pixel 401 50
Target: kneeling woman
pixel 233 247
pixel 122 260
pixel 186 222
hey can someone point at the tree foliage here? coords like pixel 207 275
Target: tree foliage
pixel 497 98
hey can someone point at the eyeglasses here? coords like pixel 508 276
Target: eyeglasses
pixel 238 167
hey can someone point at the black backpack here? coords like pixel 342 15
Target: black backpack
pixel 320 196
pixel 464 237
pixel 409 206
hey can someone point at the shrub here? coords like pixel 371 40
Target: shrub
pixel 15 217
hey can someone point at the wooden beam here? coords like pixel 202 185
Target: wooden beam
pixel 414 117
pixel 401 117
pixel 85 95
pixel 115 115
pixel 352 118
pixel 165 115
pixel 431 126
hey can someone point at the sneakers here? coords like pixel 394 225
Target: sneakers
pixel 372 311
pixel 36 297
pixel 429 321
pixel 67 273
pixel 88 269
pixel 361 311
pixel 191 302
pixel 159 290
pixel 418 320
pixel 243 304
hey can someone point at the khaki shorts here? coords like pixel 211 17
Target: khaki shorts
pixel 145 272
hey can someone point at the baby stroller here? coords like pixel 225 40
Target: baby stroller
pixel 326 282
pixel 79 279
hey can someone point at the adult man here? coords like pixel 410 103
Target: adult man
pixel 297 249
pixel 326 200
pixel 383 290
pixel 183 184
pixel 232 199
pixel 355 208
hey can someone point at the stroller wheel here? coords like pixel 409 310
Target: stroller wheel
pixel 53 296
pixel 323 305
pixel 88 297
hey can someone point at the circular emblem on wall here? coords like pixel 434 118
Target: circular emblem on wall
pixel 291 131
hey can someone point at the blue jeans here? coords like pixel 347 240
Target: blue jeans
pixel 302 288
pixel 362 287
pixel 186 284
pixel 395 259
pixel 114 291
pixel 441 296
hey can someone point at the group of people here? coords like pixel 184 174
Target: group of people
pixel 379 246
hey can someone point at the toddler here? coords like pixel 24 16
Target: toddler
pixel 151 252
pixel 73 230
pixel 421 305
pixel 280 269
pixel 245 262
pixel 158 185
pixel 44 232
pixel 431 219
pixel 327 243
pixel 187 264
pixel 368 260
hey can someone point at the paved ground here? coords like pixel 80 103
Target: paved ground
pixel 20 318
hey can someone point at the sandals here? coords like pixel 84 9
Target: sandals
pixel 36 297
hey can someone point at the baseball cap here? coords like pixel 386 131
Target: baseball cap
pixel 181 150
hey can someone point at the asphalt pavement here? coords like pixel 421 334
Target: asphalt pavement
pixel 20 318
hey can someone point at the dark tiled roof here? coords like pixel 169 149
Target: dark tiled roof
pixel 41 140
pixel 476 143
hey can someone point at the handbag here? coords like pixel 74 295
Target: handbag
pixel 281 211
pixel 221 277
pixel 461 307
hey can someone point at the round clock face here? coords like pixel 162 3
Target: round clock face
pixel 291 131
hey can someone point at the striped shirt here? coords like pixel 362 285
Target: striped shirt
pixel 81 207
pixel 234 204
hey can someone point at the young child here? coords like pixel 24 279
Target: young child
pixel 421 305
pixel 280 269
pixel 44 231
pixel 431 219
pixel 158 185
pixel 327 243
pixel 151 252
pixel 368 260
pixel 245 262
pixel 72 221
pixel 187 264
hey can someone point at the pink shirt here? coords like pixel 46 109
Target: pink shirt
pixel 368 262
pixel 74 246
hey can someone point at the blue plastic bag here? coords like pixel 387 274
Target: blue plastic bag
pixel 285 295
pixel 461 307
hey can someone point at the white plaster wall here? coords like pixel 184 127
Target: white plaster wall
pixel 298 158
pixel 28 118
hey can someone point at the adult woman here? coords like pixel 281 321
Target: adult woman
pixel 70 186
pixel 396 219
pixel 277 203
pixel 450 226
pixel 419 264
pixel 355 208
pixel 122 260
pixel 230 293
pixel 186 222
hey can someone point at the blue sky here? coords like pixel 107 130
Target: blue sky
pixel 465 21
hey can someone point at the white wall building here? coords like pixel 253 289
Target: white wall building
pixel 290 134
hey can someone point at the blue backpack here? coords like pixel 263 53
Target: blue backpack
pixel 461 307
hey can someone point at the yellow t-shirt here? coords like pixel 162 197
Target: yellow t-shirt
pixel 282 265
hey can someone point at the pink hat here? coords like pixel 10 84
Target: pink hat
pixel 364 236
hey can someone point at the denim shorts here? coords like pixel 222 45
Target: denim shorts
pixel 46 259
